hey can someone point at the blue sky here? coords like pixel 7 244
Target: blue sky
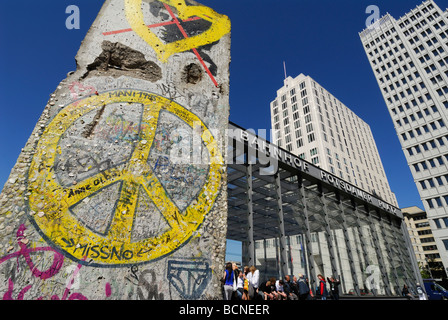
pixel 317 38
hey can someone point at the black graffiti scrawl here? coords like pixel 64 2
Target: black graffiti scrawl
pixel 189 278
pixel 193 27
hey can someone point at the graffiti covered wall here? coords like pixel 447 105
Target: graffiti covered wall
pixel 120 192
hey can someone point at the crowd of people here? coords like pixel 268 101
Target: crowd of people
pixel 245 285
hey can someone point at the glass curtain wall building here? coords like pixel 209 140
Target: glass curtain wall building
pixel 293 217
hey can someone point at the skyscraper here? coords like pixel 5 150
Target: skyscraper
pixel 310 122
pixel 409 58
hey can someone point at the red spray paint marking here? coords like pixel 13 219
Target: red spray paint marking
pixel 194 49
pixel 149 26
pixel 182 30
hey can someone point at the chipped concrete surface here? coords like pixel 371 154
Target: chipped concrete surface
pixel 96 207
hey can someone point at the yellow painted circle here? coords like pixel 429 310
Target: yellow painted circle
pixel 220 25
pixel 50 202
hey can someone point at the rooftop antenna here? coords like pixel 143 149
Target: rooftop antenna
pixel 284 67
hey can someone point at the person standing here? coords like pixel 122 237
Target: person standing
pixel 236 274
pixel 321 289
pixel 228 278
pixel 334 288
pixel 405 292
pixel 254 277
pixel 304 289
pixel 240 286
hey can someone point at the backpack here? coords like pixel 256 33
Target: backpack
pixel 303 287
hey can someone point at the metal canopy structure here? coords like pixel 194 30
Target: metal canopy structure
pixel 293 217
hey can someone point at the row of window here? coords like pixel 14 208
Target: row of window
pixel 383 37
pixel 408 90
pixel 424 165
pixel 425 128
pixel 441 223
pixel 433 125
pixel 430 248
pixel 419 25
pixel 428 69
pixel 436 79
pixel 397 85
pixel 426 146
pixel 424 232
pixel 437 202
pixel 404 24
pixel 426 240
pixel 419 114
pixel 415 104
pixel 422 224
pixel 425 10
pixel 429 183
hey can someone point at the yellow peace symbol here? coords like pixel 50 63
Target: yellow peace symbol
pixel 50 202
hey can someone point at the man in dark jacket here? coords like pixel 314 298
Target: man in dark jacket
pixel 304 289
pixel 266 289
pixel 334 288
pixel 288 288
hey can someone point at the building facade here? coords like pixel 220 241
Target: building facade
pixel 423 242
pixel 309 121
pixel 409 58
pixel 303 219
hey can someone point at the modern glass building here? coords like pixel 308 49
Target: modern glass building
pixel 293 217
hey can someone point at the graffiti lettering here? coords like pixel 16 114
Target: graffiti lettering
pixel 103 252
pixel 150 287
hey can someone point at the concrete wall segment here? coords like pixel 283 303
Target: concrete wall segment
pixel 96 206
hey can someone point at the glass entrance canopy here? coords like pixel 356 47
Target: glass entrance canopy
pixel 293 217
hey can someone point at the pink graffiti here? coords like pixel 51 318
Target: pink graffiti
pixel 108 290
pixel 8 294
pixel 58 261
pixel 77 87
pixel 24 251
pixel 74 296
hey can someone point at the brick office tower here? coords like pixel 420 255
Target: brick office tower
pixel 409 58
pixel 105 200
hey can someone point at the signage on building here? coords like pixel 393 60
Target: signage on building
pixel 269 156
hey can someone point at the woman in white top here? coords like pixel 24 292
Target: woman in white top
pixel 240 286
pixel 254 277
